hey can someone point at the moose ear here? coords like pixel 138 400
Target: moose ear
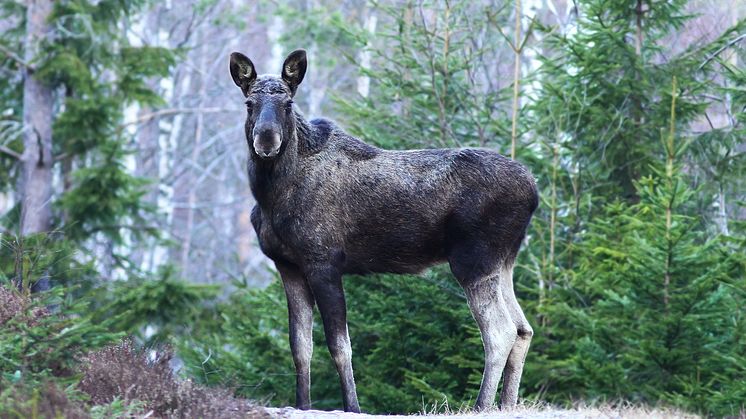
pixel 294 68
pixel 242 71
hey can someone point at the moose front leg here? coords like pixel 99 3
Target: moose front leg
pixel 300 316
pixel 326 284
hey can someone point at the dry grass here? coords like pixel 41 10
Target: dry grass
pixel 532 409
pixel 526 410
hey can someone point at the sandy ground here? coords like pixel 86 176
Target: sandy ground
pixel 518 413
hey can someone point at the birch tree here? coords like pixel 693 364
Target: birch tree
pixel 35 186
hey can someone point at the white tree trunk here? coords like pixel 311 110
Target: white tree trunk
pixel 192 196
pixel 363 82
pixel 36 161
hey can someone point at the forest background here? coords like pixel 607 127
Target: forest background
pixel 124 203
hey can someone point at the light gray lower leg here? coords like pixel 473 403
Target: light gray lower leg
pixel 498 335
pixel 517 358
pixel 341 351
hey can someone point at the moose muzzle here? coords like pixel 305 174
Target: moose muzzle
pixel 267 141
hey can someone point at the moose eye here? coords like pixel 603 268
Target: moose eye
pixel 289 106
pixel 249 105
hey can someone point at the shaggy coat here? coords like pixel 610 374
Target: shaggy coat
pixel 329 204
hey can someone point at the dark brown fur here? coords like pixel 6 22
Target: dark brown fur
pixel 329 204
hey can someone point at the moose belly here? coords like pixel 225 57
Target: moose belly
pixel 397 250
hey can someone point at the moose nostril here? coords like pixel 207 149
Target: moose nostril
pixel 267 141
pixel 266 135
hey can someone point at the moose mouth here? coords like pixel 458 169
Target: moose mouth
pixel 268 146
pixel 268 154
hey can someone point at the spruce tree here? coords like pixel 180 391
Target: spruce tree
pixel 603 107
pixel 92 72
pixel 652 311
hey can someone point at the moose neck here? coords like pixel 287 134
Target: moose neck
pixel 271 179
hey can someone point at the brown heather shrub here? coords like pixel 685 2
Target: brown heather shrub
pixel 124 372
pixel 130 374
pixel 13 306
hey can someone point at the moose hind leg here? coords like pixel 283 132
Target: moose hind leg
pixel 517 358
pixel 300 316
pixel 329 294
pixel 498 334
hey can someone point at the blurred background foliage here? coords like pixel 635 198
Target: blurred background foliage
pixel 629 114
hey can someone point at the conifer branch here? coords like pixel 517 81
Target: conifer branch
pixel 721 49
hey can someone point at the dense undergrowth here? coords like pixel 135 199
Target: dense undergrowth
pixel 58 363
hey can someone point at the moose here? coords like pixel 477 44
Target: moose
pixel 328 204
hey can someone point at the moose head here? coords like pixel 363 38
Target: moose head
pixel 269 102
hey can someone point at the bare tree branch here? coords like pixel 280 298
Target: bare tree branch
pixel 10 152
pixel 13 56
pixel 174 111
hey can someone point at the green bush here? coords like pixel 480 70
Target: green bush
pixel 45 400
pixel 36 343
pixel 155 310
